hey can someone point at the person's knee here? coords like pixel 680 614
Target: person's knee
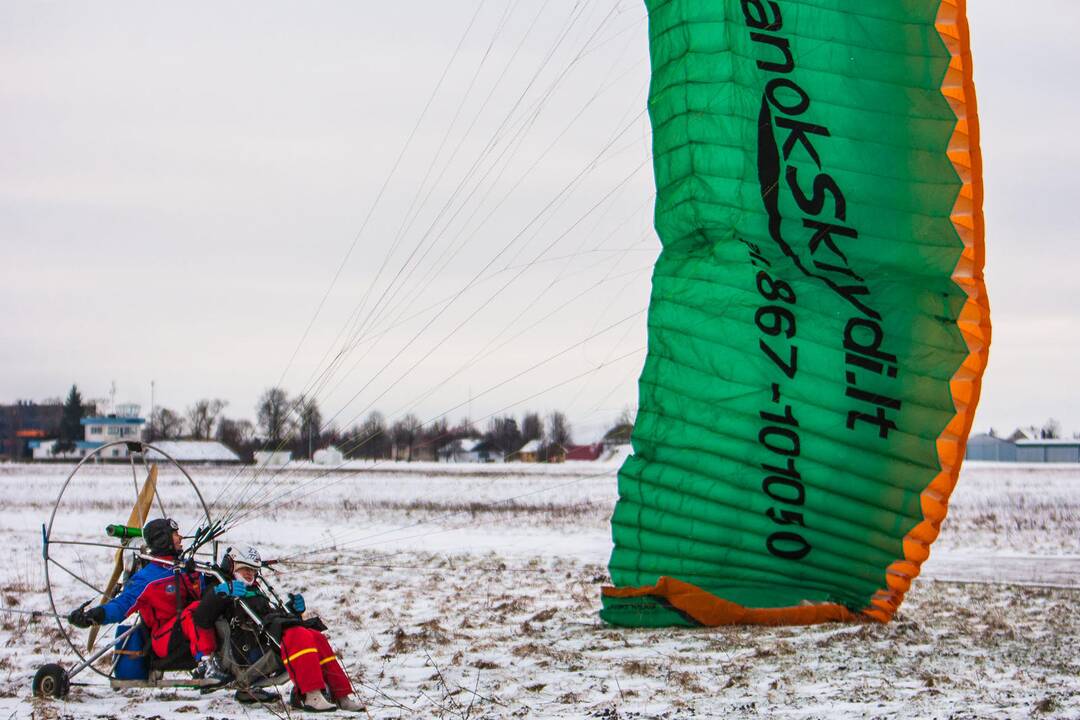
pixel 206 611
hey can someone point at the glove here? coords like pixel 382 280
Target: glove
pixel 296 603
pixel 85 618
pixel 235 588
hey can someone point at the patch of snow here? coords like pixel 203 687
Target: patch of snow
pixel 473 590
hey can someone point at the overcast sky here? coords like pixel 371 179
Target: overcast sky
pixel 179 185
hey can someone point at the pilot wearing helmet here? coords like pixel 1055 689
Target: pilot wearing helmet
pixel 166 601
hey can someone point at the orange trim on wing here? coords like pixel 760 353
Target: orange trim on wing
pixel 974 321
pixel 710 610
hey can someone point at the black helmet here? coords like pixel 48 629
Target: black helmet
pixel 158 536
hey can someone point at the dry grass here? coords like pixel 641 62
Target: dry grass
pixel 516 634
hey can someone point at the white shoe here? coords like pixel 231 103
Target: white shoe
pixel 315 701
pixel 348 702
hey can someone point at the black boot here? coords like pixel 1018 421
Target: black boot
pixel 209 669
pixel 252 696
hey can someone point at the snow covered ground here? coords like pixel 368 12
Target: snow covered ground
pixel 466 591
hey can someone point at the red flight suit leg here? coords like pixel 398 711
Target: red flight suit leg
pixel 333 673
pixel 301 659
pixel 203 640
pixel 311 662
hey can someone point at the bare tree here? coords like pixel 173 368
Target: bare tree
pixel 405 432
pixel 202 415
pixel 503 431
pixel 168 425
pixel 369 440
pixel 310 425
pixel 623 428
pixel 237 434
pixel 532 427
pixel 559 429
pixel 465 428
pixel 273 415
pixel 1050 430
pixel 331 436
pixel 437 435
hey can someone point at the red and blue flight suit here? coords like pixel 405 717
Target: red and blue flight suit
pixel 164 598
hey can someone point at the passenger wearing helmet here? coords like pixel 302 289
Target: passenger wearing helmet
pixel 311 663
pixel 166 598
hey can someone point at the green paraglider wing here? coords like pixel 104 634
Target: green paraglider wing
pixel 818 325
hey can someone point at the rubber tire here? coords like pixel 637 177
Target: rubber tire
pixel 51 681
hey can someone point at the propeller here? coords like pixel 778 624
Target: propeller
pixel 137 518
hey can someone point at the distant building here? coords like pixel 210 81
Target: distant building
pixel 453 451
pixel 529 452
pixel 46 450
pixel 25 424
pixel 988 447
pixel 585 452
pixel 194 451
pixel 535 451
pixel 555 453
pixel 612 444
pixel 469 450
pixel 1056 450
pixel 1019 448
pixel 273 458
pixel 329 456
pixel 123 423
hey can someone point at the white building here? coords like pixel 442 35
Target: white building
pixel 46 450
pixel 1022 449
pixel 123 424
pixel 193 451
pixel 471 451
pixel 329 456
pixel 273 458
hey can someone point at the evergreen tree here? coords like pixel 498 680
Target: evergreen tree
pixel 70 427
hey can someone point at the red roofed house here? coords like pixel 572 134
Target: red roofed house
pixel 584 452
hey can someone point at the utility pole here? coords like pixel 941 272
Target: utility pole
pixel 152 438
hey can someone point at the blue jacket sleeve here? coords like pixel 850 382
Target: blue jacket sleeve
pixel 118 608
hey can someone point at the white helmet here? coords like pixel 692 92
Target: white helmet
pixel 244 555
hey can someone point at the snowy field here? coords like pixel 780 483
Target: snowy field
pixel 472 591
